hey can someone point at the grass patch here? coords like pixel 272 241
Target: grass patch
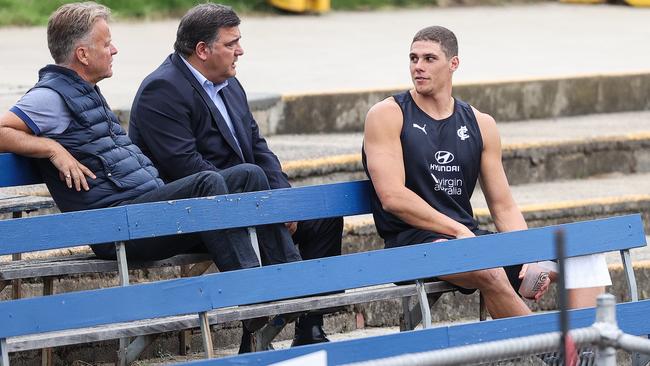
pixel 36 12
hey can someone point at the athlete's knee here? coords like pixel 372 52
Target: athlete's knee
pixel 491 279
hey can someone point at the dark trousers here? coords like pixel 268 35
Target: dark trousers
pixel 319 238
pixel 231 248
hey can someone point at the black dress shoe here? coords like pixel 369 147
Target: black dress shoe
pixel 309 330
pixel 245 346
pixel 248 327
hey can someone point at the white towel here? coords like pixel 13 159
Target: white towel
pixel 585 271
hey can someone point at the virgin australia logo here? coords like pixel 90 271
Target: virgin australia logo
pixel 443 157
pixel 462 133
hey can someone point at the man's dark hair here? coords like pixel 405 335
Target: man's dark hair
pixel 202 24
pixel 443 36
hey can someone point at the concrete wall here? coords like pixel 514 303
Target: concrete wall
pixel 505 100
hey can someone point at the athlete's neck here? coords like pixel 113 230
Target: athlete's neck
pixel 438 106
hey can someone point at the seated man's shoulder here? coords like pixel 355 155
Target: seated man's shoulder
pixel 384 112
pixel 483 118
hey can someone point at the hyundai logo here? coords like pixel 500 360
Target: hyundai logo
pixel 444 157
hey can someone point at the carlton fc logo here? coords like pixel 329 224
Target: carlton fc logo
pixel 444 157
pixel 462 133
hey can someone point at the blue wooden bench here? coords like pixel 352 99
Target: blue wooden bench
pixel 157 219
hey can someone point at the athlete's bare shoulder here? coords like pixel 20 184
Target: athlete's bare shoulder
pixel 484 119
pixel 386 114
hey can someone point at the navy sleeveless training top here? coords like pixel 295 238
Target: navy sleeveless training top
pixel 442 160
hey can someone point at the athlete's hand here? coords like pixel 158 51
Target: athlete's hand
pixel 71 171
pixel 542 289
pixel 465 234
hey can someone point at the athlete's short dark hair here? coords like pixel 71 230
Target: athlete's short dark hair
pixel 443 36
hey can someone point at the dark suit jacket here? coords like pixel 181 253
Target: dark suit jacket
pixel 178 126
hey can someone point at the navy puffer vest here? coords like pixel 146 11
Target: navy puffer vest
pixel 96 139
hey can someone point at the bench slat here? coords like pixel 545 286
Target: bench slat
pixel 19 203
pixel 88 263
pixel 182 216
pixel 18 171
pixel 63 230
pixel 194 295
pixel 357 350
pixel 220 316
pixel 249 209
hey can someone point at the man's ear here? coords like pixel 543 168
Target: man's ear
pixel 81 54
pixel 453 64
pixel 201 50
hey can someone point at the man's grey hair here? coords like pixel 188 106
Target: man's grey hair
pixel 443 36
pixel 69 25
pixel 202 24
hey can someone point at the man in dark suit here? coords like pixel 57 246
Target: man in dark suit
pixel 191 114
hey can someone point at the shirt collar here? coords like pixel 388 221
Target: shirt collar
pixel 202 79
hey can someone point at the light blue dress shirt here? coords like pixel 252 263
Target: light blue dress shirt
pixel 213 92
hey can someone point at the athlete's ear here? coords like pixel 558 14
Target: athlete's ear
pixel 453 63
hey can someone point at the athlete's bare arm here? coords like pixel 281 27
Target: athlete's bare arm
pixel 385 164
pixel 17 138
pixel 504 210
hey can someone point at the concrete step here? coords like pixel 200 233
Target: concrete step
pixel 533 150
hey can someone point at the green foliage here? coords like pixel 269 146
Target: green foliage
pixel 375 4
pixel 36 12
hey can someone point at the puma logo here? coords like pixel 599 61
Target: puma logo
pixel 420 128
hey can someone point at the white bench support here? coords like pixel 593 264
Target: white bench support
pixel 206 336
pixel 638 359
pixel 424 304
pixel 137 346
pixel 252 234
pixel 629 274
pixel 4 352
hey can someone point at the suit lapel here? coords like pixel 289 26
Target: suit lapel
pixel 242 131
pixel 216 116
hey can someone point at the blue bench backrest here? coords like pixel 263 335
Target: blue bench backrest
pixel 18 171
pixel 630 317
pixel 194 295
pixel 183 216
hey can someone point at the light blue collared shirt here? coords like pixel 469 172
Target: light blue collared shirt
pixel 212 90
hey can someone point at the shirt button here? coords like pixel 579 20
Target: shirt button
pixel 109 174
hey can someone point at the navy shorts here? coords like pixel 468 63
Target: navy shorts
pixel 418 236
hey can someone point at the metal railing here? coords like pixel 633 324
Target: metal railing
pixel 604 335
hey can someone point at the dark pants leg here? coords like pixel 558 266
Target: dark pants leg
pixel 318 238
pixel 230 249
pixel 276 245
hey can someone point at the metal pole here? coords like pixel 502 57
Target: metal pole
pixel 609 332
pixel 486 352
pixel 561 291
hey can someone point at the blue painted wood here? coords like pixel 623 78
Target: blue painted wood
pixel 247 209
pixel 63 230
pixel 183 216
pixel 191 295
pixel 631 318
pixel 18 171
